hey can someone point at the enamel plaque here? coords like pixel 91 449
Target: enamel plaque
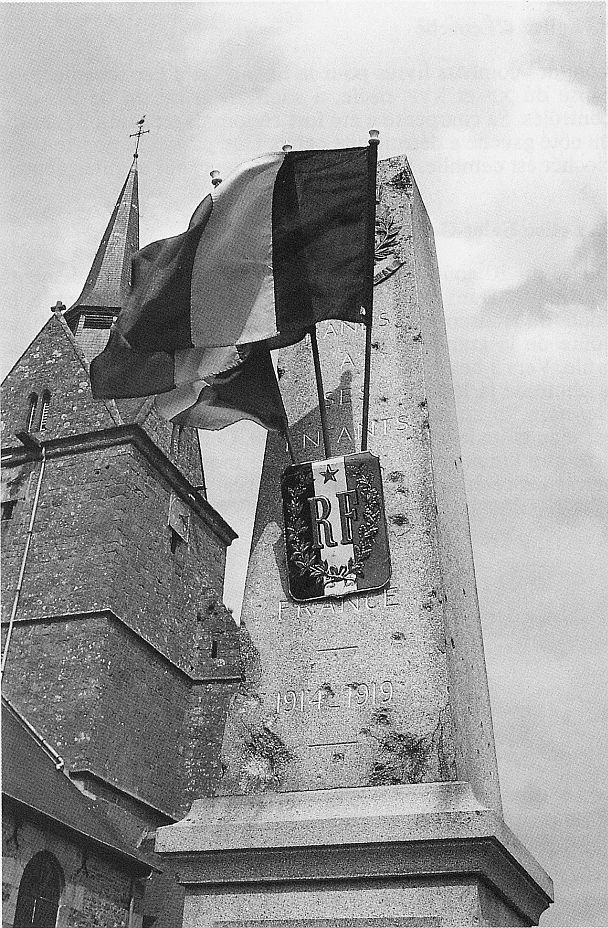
pixel 335 529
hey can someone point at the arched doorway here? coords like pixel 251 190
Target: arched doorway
pixel 39 892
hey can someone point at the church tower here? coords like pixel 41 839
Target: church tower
pixel 108 280
pixel 116 644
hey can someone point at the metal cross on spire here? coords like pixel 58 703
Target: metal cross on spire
pixel 137 135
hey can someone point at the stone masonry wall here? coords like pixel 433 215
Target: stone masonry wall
pixel 54 363
pixel 112 705
pixel 51 363
pixel 118 615
pixel 102 540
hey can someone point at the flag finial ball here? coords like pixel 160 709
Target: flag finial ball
pixel 215 178
pixel 374 135
pixel 287 148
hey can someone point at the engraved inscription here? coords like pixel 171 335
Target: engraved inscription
pixel 360 694
pixel 387 597
pixel 349 696
pixel 377 427
pixel 340 329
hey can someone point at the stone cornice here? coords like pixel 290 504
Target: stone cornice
pixel 435 860
pixel 435 832
pixel 192 679
pixel 134 435
pixel 80 776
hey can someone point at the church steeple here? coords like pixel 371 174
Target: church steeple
pixel 107 283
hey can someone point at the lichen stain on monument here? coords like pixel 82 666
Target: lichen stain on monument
pixel 402 180
pixel 266 761
pixel 406 757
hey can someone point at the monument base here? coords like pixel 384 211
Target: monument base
pixel 381 857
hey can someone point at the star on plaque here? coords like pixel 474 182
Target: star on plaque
pixel 329 474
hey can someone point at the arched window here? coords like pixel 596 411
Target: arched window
pixel 39 892
pixel 46 402
pixel 31 411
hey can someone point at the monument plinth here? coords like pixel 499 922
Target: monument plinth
pixel 360 784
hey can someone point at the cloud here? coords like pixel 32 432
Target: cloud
pixel 508 155
pixel 569 38
pixel 578 286
pixel 532 414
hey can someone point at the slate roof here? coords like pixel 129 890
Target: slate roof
pixel 30 777
pixel 110 276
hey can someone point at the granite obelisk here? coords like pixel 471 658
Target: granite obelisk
pixel 360 783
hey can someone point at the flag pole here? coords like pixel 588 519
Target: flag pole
pixel 320 394
pixel 286 435
pixel 369 297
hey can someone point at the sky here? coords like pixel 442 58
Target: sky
pixel 500 108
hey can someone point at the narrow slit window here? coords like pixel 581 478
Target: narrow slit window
pixel 174 439
pixel 8 508
pixel 46 402
pixel 31 411
pixel 175 541
pixel 214 649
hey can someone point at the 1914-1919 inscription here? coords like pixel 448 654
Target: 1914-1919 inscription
pixel 348 696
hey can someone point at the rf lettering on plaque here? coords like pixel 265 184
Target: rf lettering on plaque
pixel 335 528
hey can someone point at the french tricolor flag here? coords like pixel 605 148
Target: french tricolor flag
pixel 277 247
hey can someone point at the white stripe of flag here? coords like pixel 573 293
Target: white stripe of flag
pixel 329 480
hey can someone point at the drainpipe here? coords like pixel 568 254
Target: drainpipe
pixel 135 920
pixel 131 922
pixel 57 758
pixel 29 441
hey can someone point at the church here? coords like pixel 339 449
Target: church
pixel 118 655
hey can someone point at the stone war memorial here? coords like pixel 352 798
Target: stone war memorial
pixel 330 763
pixel 359 782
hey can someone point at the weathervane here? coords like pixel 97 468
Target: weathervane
pixel 137 135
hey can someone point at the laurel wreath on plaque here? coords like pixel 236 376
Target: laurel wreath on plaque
pixel 387 237
pixel 303 555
